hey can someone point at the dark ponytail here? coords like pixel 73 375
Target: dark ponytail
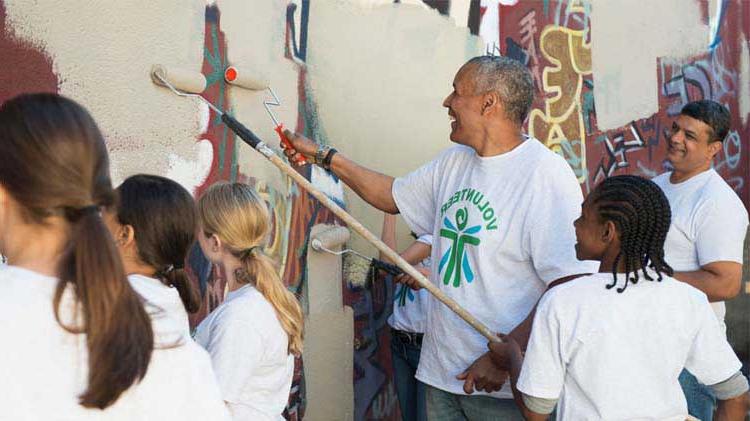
pixel 162 214
pixel 55 163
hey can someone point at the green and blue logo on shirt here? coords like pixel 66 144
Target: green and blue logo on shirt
pixel 402 294
pixel 455 260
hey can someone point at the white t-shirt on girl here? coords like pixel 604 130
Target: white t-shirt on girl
pixel 610 355
pixel 44 367
pixel 165 307
pixel 502 230
pixel 410 306
pixel 709 223
pixel 248 348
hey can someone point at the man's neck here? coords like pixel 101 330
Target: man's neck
pixel 499 140
pixel 681 176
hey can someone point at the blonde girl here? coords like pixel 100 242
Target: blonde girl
pixel 255 333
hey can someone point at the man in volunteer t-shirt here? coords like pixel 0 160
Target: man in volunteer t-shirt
pixel 500 207
pixel 705 241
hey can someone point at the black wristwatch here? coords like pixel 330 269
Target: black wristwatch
pixel 329 156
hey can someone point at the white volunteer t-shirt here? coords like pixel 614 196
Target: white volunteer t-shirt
pixel 248 348
pixel 709 223
pixel 612 356
pixel 44 368
pixel 502 231
pixel 410 306
pixel 163 303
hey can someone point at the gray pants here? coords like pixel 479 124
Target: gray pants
pixel 445 406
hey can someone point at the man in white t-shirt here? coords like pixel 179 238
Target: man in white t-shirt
pixel 705 241
pixel 500 207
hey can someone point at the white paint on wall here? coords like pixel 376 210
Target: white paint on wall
pixel 191 173
pixel 103 54
pixel 625 46
pixel 379 77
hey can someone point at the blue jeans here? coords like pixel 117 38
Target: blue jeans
pixel 446 406
pixel 410 391
pixel 701 401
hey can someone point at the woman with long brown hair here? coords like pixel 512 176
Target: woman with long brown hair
pixel 153 224
pixel 77 341
pixel 255 333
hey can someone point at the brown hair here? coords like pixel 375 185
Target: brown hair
pixel 162 214
pixel 239 217
pixel 55 163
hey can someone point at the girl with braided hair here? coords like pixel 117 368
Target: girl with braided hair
pixel 612 345
pixel 255 333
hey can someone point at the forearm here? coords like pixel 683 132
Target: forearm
pixel 516 362
pixel 717 288
pixel 733 409
pixel 388 234
pixel 372 186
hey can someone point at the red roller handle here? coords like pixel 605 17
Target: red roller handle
pixel 300 160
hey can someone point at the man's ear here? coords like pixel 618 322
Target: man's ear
pixel 714 148
pixel 489 102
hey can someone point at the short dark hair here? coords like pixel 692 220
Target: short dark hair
pixel 715 115
pixel 510 79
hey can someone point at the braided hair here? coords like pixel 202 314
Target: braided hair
pixel 641 215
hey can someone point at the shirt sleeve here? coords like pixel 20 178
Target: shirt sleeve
pixel 711 359
pixel 414 195
pixel 235 348
pixel 543 371
pixel 550 236
pixel 720 235
pixel 425 239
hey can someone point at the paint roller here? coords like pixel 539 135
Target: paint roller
pixel 244 79
pixel 332 237
pixel 182 84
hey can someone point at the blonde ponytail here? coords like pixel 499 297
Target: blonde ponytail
pixel 262 272
pixel 239 217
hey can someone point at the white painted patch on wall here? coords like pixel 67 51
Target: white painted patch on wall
pixel 327 184
pixel 627 90
pixel 203 117
pixel 489 27
pixel 744 95
pixel 191 173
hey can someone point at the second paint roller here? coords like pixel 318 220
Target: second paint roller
pixel 244 79
pixel 160 77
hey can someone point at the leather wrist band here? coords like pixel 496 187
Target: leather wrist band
pixel 321 154
pixel 329 157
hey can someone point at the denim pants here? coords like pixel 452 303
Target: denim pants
pixel 445 406
pixel 701 401
pixel 410 391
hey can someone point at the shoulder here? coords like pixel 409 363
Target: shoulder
pixel 662 179
pixel 574 292
pixel 249 307
pixel 548 165
pixel 718 192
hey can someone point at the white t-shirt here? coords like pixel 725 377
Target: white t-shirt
pixel 44 368
pixel 502 231
pixel 709 223
pixel 248 348
pixel 410 306
pixel 163 303
pixel 612 356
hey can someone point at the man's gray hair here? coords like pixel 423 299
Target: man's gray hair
pixel 510 79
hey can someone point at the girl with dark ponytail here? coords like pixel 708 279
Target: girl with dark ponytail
pixel 77 341
pixel 255 333
pixel 153 224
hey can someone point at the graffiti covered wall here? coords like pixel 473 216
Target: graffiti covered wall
pixel 369 77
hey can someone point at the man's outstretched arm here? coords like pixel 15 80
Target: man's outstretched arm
pixel 372 186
